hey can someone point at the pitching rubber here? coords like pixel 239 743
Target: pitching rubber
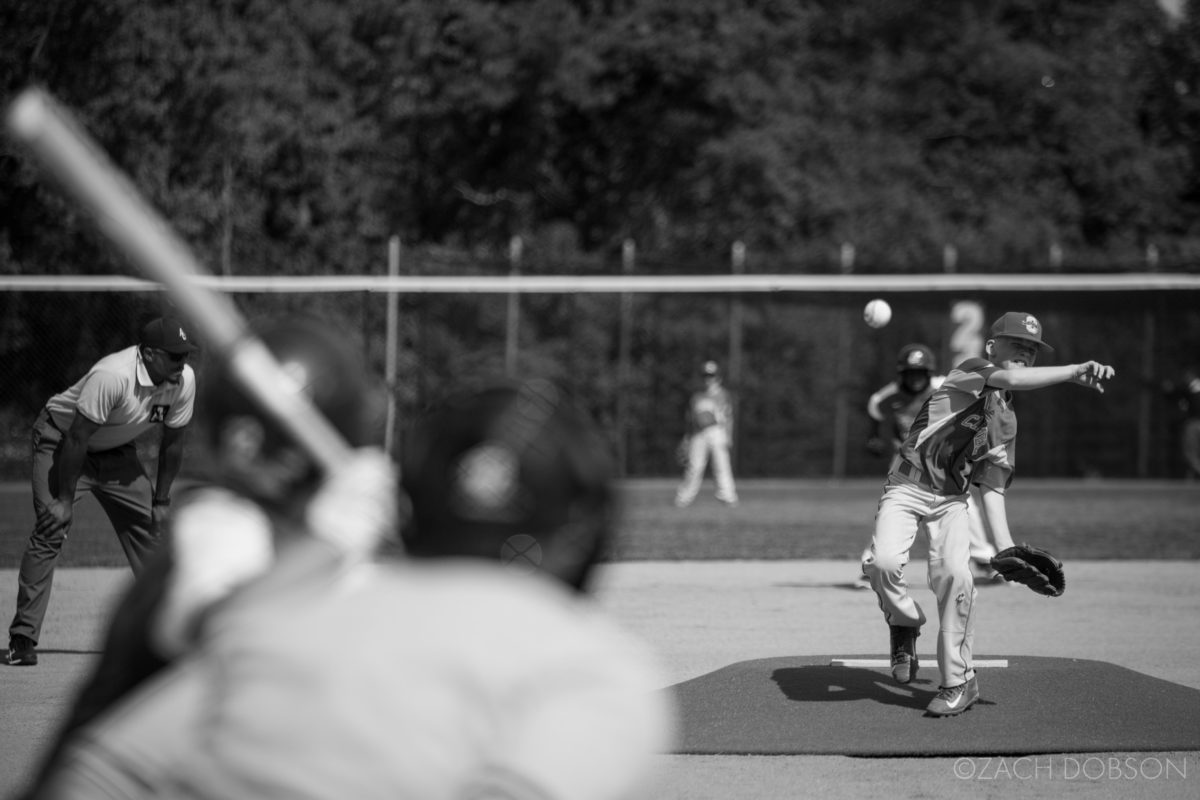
pixel 870 663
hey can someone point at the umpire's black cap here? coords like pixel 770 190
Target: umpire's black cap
pixel 169 334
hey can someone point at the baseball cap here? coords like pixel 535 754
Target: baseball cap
pixel 167 333
pixel 1019 325
pixel 710 368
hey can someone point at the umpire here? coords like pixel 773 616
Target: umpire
pixel 83 441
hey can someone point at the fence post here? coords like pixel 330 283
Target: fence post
pixel 513 328
pixel 949 258
pixel 1147 397
pixel 227 217
pixel 841 418
pixel 737 258
pixel 624 347
pixel 1056 256
pixel 846 258
pixel 391 345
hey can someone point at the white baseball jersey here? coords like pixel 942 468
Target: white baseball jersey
pixel 117 393
pixel 442 681
pixel 709 407
pixel 220 541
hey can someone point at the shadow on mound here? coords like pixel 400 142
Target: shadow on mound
pixel 805 705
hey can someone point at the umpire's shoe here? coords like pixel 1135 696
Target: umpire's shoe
pixel 21 651
pixel 904 653
pixel 953 700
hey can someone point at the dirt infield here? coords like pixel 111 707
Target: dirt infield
pixel 705 615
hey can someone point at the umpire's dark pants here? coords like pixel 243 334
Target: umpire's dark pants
pixel 117 480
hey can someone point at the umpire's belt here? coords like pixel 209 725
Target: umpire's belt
pixel 914 473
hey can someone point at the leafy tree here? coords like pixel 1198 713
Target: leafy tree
pixel 295 136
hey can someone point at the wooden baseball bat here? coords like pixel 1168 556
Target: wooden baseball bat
pixel 63 147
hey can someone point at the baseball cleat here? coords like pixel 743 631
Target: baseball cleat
pixel 904 653
pixel 21 651
pixel 953 700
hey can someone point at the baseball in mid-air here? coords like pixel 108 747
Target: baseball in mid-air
pixel 877 313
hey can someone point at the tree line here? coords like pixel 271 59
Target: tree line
pixel 297 136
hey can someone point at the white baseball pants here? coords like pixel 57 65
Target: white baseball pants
pixel 904 510
pixel 710 442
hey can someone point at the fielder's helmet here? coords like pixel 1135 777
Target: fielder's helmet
pixel 513 473
pixel 325 368
pixel 915 357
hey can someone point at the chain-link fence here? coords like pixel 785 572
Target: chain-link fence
pixel 801 365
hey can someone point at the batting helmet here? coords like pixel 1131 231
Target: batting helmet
pixel 513 473
pixel 265 461
pixel 914 357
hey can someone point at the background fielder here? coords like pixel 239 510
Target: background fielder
pixel 709 420
pixel 1185 393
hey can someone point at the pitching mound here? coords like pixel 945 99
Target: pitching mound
pixel 838 705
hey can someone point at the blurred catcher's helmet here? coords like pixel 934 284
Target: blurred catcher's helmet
pixel 254 452
pixel 915 357
pixel 512 473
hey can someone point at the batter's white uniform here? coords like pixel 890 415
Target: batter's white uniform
pixel 435 680
pixel 965 434
pixel 218 541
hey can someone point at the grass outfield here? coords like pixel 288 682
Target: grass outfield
pixel 789 519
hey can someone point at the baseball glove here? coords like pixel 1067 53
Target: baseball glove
pixel 1032 566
